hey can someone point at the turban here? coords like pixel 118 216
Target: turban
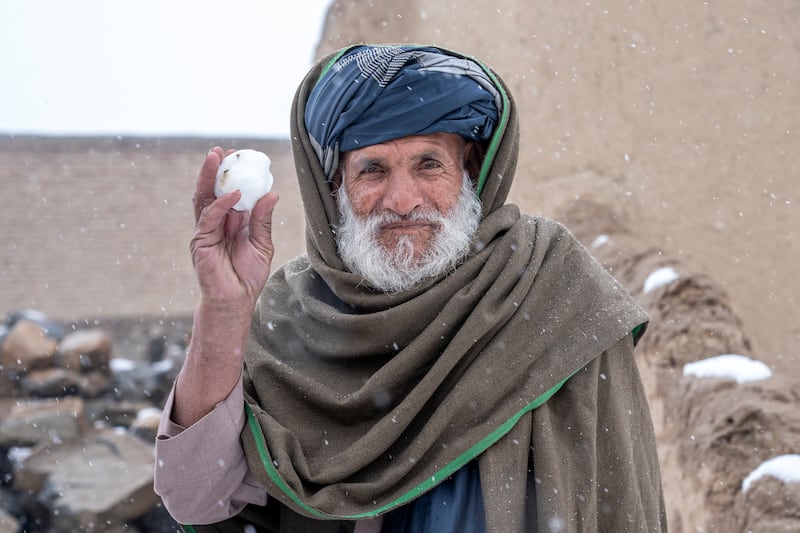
pixel 373 94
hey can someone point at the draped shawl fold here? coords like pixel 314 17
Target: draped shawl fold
pixel 359 401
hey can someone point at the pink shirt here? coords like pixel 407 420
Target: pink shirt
pixel 201 472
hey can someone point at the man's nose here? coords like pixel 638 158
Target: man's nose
pixel 402 194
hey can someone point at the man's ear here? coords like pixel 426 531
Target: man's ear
pixel 473 159
pixel 336 182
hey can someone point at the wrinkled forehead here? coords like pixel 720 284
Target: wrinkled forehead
pixel 408 151
pixel 411 146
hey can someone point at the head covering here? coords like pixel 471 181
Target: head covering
pixel 493 182
pixel 373 94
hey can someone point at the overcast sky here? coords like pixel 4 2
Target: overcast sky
pixel 154 67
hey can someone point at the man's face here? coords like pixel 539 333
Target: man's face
pixel 419 173
pixel 408 210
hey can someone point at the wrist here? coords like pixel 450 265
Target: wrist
pixel 219 331
pixel 225 307
pixel 213 363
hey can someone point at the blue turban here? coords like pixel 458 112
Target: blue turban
pixel 375 94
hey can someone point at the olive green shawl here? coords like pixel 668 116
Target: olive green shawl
pixel 359 401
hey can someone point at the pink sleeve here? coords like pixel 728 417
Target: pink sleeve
pixel 201 472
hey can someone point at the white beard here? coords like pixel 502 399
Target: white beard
pixel 397 270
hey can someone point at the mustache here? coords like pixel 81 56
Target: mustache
pixel 425 215
pixel 399 268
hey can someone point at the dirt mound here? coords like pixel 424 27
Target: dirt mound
pixel 712 433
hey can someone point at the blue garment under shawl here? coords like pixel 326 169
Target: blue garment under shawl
pixel 455 506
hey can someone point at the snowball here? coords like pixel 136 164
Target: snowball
pixel 728 366
pixel 783 467
pixel 248 171
pixel 659 278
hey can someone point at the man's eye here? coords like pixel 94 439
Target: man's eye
pixel 430 166
pixel 370 170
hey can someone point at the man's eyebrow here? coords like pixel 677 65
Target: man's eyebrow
pixel 362 162
pixel 427 154
pixel 431 153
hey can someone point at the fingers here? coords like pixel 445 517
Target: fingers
pixel 261 225
pixel 204 190
pixel 212 217
pixel 235 221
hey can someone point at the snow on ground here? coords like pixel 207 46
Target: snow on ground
pixel 786 468
pixel 659 278
pixel 728 366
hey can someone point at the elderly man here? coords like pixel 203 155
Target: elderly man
pixel 436 362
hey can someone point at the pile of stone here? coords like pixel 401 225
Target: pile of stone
pixel 77 429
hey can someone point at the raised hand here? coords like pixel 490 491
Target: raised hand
pixel 232 254
pixel 231 250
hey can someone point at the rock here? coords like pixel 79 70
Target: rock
pixel 6 473
pixel 96 484
pixel 56 382
pixel 95 383
pixel 6 404
pixel 8 524
pixel 70 413
pixel 51 383
pixel 146 424
pixel 27 347
pixel 30 422
pixel 85 350
pixel 115 413
pixel 8 384
pixel 137 380
pixel 51 328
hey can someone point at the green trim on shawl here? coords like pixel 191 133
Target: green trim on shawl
pixel 638 331
pixel 333 60
pixel 188 529
pixel 423 487
pixel 499 130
